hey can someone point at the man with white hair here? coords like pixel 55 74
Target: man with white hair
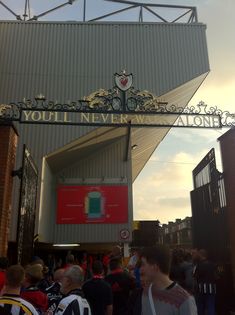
pixel 73 302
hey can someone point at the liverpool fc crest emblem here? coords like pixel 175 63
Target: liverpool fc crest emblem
pixel 123 81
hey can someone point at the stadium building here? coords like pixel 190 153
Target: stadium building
pixel 82 174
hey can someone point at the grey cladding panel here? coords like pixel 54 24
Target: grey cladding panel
pixel 66 61
pixel 108 162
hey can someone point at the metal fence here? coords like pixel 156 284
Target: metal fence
pixel 209 212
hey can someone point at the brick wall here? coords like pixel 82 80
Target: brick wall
pixel 8 144
pixel 227 146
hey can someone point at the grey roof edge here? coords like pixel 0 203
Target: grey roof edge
pixel 106 22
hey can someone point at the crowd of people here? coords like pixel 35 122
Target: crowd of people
pixel 156 280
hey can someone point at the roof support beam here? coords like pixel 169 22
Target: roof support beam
pixel 128 142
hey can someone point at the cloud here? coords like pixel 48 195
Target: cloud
pixel 176 203
pixel 164 193
pixel 217 91
pixel 177 172
pixel 163 209
pixel 153 158
pixel 195 136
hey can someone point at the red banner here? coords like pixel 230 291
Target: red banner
pixel 92 204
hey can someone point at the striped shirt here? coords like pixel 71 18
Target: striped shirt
pixel 15 305
pixel 73 304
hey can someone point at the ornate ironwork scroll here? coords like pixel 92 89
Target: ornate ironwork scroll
pixel 27 209
pixel 121 106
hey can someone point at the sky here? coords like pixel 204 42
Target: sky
pixel 162 190
pixel 168 174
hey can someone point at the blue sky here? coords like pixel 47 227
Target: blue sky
pixel 168 174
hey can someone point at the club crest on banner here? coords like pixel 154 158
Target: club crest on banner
pixel 123 81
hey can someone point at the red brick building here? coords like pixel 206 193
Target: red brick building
pixel 8 144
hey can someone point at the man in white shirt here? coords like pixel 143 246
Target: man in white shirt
pixel 163 296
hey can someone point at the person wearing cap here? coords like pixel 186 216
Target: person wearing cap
pixel 30 292
pixel 10 301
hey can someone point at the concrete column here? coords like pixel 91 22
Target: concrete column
pixel 8 144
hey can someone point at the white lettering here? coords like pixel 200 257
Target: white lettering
pixel 57 118
pixel 27 114
pixel 47 116
pixel 104 117
pixel 114 118
pixel 206 121
pixel 187 121
pixel 66 118
pixel 95 118
pixel 85 116
pixel 180 122
pixel 140 119
pixel 197 121
pixel 123 119
pixel 36 116
pixel 216 121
